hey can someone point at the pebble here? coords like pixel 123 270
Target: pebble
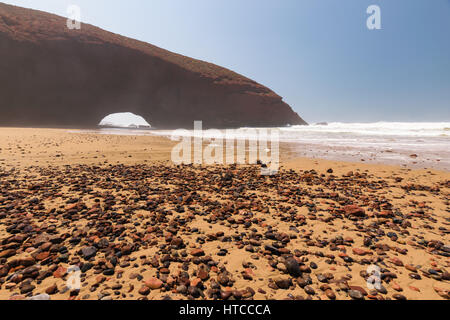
pixel 144 290
pixel 182 289
pixel 309 290
pixel 26 288
pixel 283 283
pixel 42 296
pixel 330 294
pixel 153 283
pixel 197 252
pixel 52 289
pixel 88 252
pixel 354 210
pixel 360 252
pixel 355 294
pixel 322 278
pixel 293 267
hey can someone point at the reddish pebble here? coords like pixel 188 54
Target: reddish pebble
pixel 60 272
pixel 197 252
pixel 153 283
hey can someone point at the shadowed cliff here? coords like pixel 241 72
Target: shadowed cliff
pixel 53 76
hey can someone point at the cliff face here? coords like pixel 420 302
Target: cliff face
pixel 53 76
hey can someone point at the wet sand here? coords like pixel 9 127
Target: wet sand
pixel 139 227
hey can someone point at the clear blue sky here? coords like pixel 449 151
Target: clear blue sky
pixel 317 54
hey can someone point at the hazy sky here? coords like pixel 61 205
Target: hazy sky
pixel 317 54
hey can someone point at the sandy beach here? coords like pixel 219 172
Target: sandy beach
pixel 139 227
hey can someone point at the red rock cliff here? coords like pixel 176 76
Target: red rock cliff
pixel 53 76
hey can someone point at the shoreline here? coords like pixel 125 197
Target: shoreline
pixel 438 160
pixel 289 151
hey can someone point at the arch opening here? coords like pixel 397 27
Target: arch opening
pixel 126 120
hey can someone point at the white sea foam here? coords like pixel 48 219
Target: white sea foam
pixel 412 129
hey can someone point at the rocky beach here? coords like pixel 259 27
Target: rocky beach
pixel 134 226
